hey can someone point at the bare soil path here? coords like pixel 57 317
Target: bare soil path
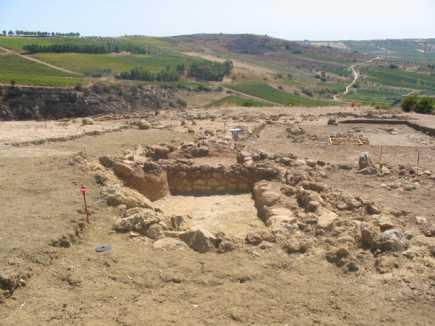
pixel 356 76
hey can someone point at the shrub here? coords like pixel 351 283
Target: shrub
pixel 425 105
pixel 409 103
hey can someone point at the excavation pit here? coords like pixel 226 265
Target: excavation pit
pixel 233 215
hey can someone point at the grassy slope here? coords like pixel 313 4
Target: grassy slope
pixel 14 68
pixel 269 93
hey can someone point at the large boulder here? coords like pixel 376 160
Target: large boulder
pixel 200 240
pixel 149 179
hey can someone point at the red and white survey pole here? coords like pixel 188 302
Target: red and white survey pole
pixel 84 190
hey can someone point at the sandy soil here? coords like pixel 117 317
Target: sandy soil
pixel 138 285
pixel 26 131
pixel 234 215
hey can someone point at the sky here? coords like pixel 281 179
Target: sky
pixel 287 19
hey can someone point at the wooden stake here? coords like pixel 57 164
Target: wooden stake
pixel 84 190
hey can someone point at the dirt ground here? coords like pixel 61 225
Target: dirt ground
pixel 135 284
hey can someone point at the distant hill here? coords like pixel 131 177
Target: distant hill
pixel 301 71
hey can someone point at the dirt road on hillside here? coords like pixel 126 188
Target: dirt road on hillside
pixel 356 76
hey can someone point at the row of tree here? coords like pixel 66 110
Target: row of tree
pixel 89 47
pixel 140 73
pixel 203 71
pixel 38 34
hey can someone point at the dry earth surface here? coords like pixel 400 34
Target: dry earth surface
pixel 66 282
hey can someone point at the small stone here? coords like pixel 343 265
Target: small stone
pixel 384 222
pixel 326 218
pixel 409 187
pixel 420 220
pixel 346 167
pixel 296 247
pixel 144 125
pixel 155 232
pixel 385 171
pixel 226 246
pixel 372 209
pixel 385 264
pixel 265 245
pixel 311 163
pixel 393 240
pixel 87 121
pixel 313 206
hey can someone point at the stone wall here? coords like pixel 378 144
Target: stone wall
pixel 185 179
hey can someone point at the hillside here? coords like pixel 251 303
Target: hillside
pixel 283 72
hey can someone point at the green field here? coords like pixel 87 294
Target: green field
pixel 234 100
pixel 399 78
pixel 269 93
pixel 21 71
pixel 91 63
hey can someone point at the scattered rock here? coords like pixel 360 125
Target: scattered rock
pixel 155 232
pixel 296 246
pixel 137 220
pixel 428 230
pixel 255 238
pixel 342 258
pixel 326 218
pixel 332 121
pixel 393 240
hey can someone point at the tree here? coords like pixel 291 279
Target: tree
pixel 228 67
pixel 11 33
pixel 4 33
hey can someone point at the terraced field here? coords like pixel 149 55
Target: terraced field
pixel 269 93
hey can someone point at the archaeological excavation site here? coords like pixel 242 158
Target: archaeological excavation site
pixel 236 216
